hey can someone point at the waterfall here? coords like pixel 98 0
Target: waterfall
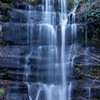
pixel 56 66
pixel 89 93
pixel 69 91
pixel 86 39
pixel 86 59
pixel 63 63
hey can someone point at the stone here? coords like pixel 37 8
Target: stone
pixel 34 16
pixel 17 91
pixel 24 6
pixel 0 28
pixel 15 33
pixel 0 4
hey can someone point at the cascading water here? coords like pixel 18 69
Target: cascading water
pixel 89 93
pixel 86 59
pixel 57 86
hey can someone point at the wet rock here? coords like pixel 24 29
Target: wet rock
pixel 0 28
pixel 82 90
pixel 0 4
pixel 33 90
pixel 16 16
pixel 4 11
pixel 15 33
pixel 1 34
pixel 42 95
pixel 17 91
pixel 25 16
pixel 36 17
pixel 24 6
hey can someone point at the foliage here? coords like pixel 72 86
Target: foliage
pixel 2 91
pixel 80 2
pixel 7 5
pixel 98 67
pixel 95 71
pixel 70 5
pixel 82 80
pixel 33 2
pixel 80 69
pixel 3 43
pixel 89 14
pixel 4 17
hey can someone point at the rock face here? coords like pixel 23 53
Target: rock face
pixel 92 19
pixel 17 91
pixel 16 33
pixel 1 33
pixel 14 50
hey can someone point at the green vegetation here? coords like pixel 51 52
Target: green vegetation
pixel 81 80
pixel 80 69
pixel 89 13
pixel 4 15
pixel 7 5
pixel 4 18
pixel 80 2
pixel 2 92
pixel 3 43
pixel 33 2
pixel 95 71
pixel 70 5
pixel 98 67
pixel 83 75
pixel 95 98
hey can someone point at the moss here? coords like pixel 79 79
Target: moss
pixel 4 18
pixel 95 42
pixel 95 71
pixel 79 92
pixel 94 98
pixel 98 67
pixel 2 92
pixel 82 80
pixel 70 5
pixel 83 30
pixel 80 69
pixel 91 17
pixel 80 59
pixel 80 2
pixel 7 5
pixel 4 43
pixel 59 26
pixel 3 89
pixel 58 7
pixel 33 2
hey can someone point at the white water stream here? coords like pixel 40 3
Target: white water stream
pixel 56 88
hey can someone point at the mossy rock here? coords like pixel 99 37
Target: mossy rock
pixel 7 5
pixel 2 92
pixel 82 80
